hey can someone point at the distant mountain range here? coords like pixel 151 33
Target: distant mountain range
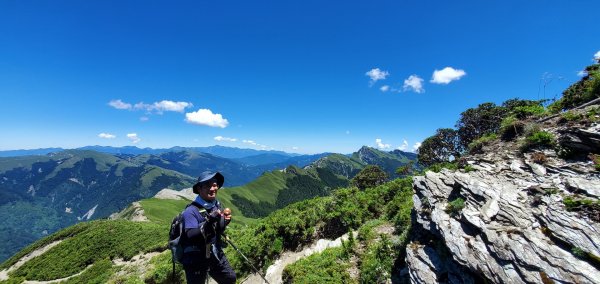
pixel 40 194
pixel 350 165
pixel 221 151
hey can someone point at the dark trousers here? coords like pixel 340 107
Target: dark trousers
pixel 196 267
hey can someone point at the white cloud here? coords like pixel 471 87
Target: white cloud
pixel 597 55
pixel 295 148
pixel 206 117
pixel 404 146
pixel 251 142
pixel 134 138
pixel 385 88
pixel 414 83
pixel 381 145
pixel 142 106
pixel 221 138
pixel 106 135
pixel 118 104
pixel 582 73
pixel 377 74
pixel 144 118
pixel 171 106
pixel 447 75
pixel 416 146
pixel 163 106
pixel 159 107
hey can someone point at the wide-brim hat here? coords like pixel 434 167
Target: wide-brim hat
pixel 207 176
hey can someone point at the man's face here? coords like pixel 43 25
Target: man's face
pixel 208 191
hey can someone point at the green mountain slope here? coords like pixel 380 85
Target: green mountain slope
pixel 349 166
pixel 192 163
pixel 271 191
pixel 129 252
pixel 41 194
pixel 276 189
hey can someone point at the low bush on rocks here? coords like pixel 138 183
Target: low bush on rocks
pixel 538 139
pixel 455 206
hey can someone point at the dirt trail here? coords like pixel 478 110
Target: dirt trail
pixel 26 258
pixel 275 271
pixel 55 280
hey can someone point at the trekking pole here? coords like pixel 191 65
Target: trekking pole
pixel 245 258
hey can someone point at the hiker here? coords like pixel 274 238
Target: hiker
pixel 205 222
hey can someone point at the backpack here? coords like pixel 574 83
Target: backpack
pixel 176 236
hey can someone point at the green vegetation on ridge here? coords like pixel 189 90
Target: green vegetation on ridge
pixel 87 243
pixel 90 246
pixel 323 217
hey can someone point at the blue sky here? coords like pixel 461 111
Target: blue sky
pixel 298 76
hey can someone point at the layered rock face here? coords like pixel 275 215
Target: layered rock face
pixel 514 227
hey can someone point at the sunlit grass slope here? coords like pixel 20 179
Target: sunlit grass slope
pixel 86 244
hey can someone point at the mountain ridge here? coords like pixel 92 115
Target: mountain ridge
pixel 218 150
pixel 62 185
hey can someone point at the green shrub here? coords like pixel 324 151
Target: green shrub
pixel 99 272
pixel 578 252
pixel 571 116
pixel 162 270
pixel 530 128
pixel 535 110
pixel 328 266
pixel 444 146
pixel 365 232
pixel 370 176
pixel 330 217
pixel 596 160
pixel 455 206
pixel 593 114
pixel 550 191
pixel 14 280
pixel 541 138
pixel 476 122
pixel 453 166
pixel 477 145
pixel 538 139
pixel 348 246
pixel 469 168
pixel 574 204
pixel 376 264
pixel 511 127
pixel 582 91
pixel 406 169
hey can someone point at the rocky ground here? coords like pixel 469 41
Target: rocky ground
pixel 528 217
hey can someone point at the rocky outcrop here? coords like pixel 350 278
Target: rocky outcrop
pixel 135 212
pixel 514 226
pixel 184 194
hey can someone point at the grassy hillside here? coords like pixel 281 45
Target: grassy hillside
pixel 41 194
pixel 93 247
pixel 261 239
pixel 280 188
pixel 257 199
pixel 60 189
pixel 89 243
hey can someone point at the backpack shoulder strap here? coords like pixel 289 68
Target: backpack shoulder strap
pixel 201 209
